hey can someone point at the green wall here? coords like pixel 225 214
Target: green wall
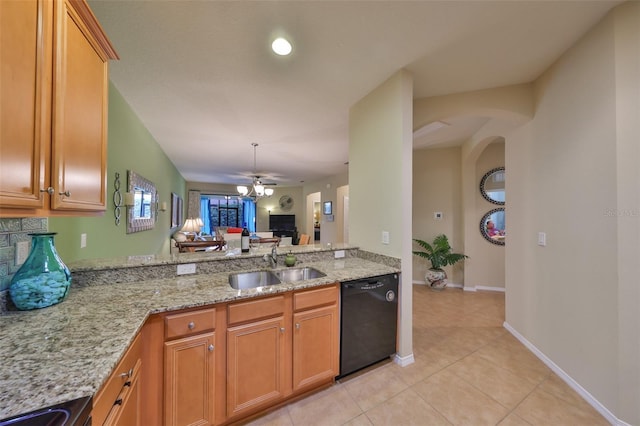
pixel 131 147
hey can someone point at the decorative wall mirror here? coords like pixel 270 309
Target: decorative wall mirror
pixel 492 186
pixel 141 213
pixel 492 226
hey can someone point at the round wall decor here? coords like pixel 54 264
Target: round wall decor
pixel 493 227
pixel 286 202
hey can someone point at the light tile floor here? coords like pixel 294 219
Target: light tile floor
pixel 468 370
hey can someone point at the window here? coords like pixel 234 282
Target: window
pixel 226 210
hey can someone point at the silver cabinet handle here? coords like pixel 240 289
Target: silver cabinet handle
pixel 65 193
pixel 297 326
pixel 191 325
pixel 211 347
pixel 49 190
pixel 127 374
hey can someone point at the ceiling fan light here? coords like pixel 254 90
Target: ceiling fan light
pixel 268 192
pixel 259 190
pixel 242 189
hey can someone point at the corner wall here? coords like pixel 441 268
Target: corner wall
pixel 572 173
pixel 437 183
pixel 380 184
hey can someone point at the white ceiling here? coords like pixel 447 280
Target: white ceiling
pixel 201 76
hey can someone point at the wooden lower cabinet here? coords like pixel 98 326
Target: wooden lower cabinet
pixel 223 363
pixel 315 346
pixel 189 385
pixel 255 365
pixel 127 410
pixel 118 402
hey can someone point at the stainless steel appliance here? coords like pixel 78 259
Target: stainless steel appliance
pixel 76 412
pixel 368 321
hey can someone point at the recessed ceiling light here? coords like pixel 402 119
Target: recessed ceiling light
pixel 281 46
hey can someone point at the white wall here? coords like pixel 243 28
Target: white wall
pixel 329 231
pixel 505 108
pixel 380 183
pixel 486 267
pixel 437 187
pixel 571 171
pixel 627 92
pixel 271 205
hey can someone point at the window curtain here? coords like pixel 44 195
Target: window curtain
pixel 205 216
pixel 249 214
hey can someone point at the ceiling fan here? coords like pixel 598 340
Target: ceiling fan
pixel 258 188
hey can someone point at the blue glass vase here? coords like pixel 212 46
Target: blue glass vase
pixel 43 279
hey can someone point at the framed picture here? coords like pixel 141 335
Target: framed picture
pixel 176 210
pixel 326 208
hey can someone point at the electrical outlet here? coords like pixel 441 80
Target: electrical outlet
pixel 385 237
pixel 83 240
pixel 22 251
pixel 186 268
pixel 338 254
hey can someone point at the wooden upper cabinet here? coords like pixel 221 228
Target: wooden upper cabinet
pixel 26 42
pixel 53 128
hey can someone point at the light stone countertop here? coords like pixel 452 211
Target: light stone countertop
pixel 68 350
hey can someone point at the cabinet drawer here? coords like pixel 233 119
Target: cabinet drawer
pixel 316 297
pixel 184 324
pixel 124 372
pixel 255 309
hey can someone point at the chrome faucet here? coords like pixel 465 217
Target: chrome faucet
pixel 273 258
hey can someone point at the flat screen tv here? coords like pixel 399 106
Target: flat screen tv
pixel 282 222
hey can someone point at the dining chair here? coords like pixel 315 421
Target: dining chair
pixel 304 240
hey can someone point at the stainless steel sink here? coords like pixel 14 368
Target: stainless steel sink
pixel 299 274
pixel 243 280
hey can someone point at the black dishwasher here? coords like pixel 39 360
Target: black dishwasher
pixel 368 321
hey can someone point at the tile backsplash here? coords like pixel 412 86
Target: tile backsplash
pixel 13 230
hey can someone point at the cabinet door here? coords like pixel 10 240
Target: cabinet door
pixel 189 380
pixel 80 91
pixel 256 354
pixel 315 346
pixel 25 100
pixel 126 411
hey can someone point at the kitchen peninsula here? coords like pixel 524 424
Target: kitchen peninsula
pixel 69 350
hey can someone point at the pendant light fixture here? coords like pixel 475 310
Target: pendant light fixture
pixel 258 189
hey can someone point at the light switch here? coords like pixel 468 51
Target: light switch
pixel 385 237
pixel 83 240
pixel 542 239
pixel 437 215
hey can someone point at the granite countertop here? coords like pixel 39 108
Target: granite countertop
pixel 68 350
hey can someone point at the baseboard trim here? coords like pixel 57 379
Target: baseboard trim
pixel 403 361
pixel 467 288
pixel 608 415
pixel 487 288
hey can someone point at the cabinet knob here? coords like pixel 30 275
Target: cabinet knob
pixel 211 347
pixel 49 190
pixel 65 194
pixel 127 374
pixel 118 401
pixel 282 329
pixel 191 325
pixel 297 326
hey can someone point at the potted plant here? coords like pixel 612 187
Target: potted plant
pixel 440 255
